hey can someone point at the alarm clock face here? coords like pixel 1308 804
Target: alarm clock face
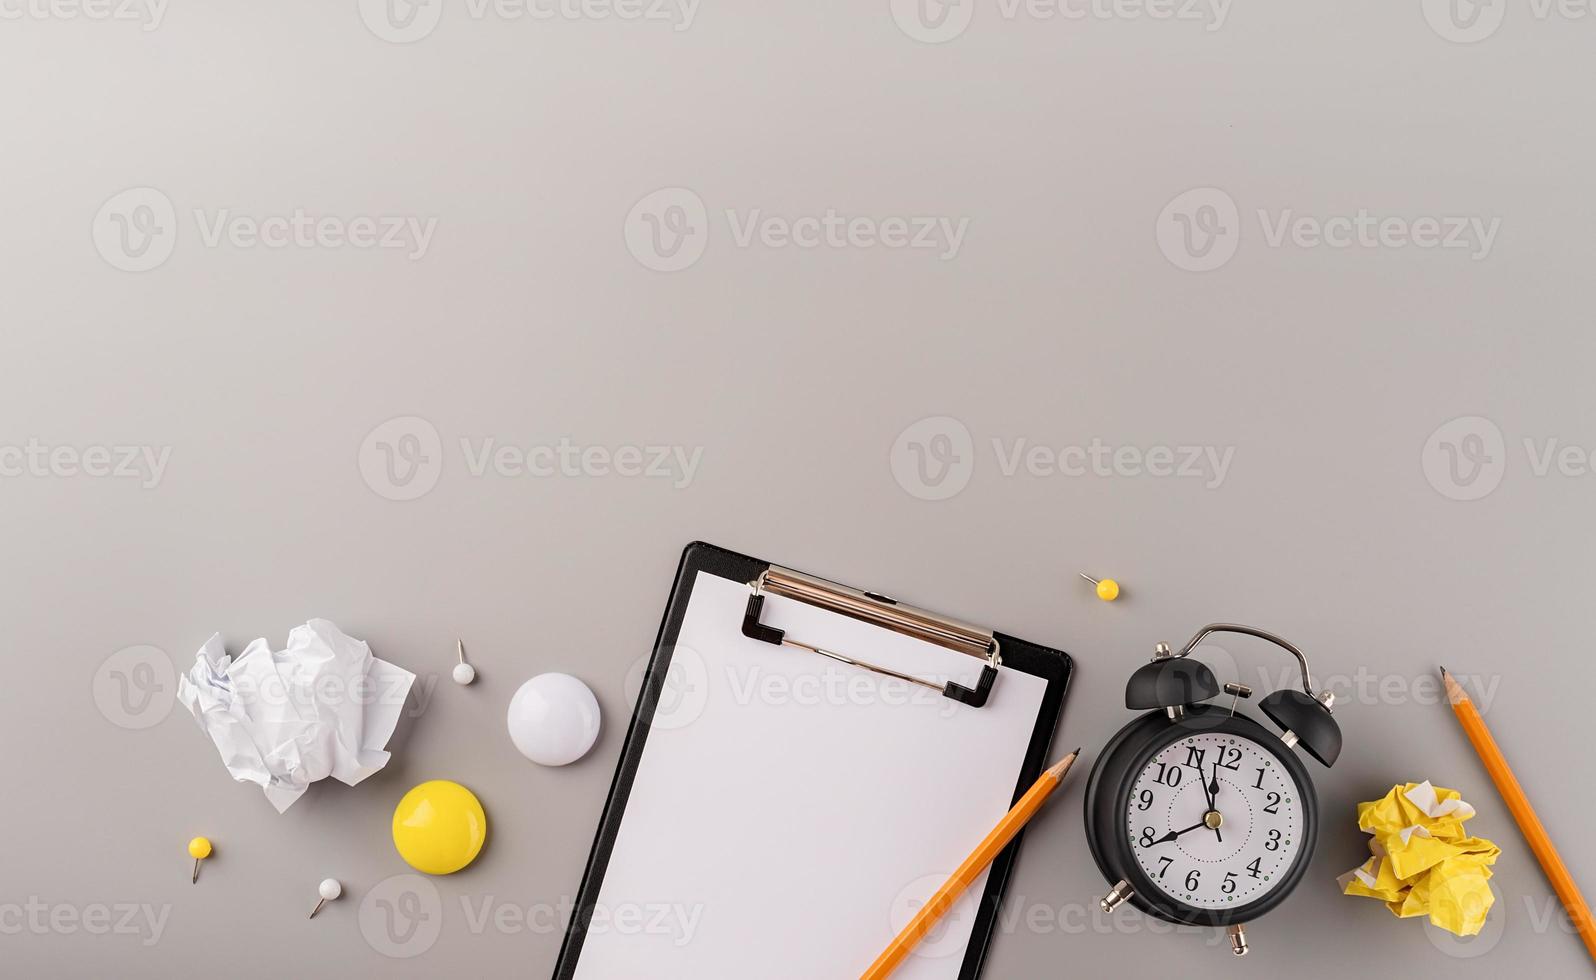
pixel 1215 821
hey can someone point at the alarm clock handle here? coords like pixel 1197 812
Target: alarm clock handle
pixel 1304 717
pixel 1279 641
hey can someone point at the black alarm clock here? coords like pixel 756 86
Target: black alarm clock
pixel 1199 815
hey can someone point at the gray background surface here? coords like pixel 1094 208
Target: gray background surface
pixel 1064 317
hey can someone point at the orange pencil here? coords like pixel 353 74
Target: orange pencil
pixel 1523 813
pixel 983 855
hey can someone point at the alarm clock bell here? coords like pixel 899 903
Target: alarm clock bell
pixel 1172 682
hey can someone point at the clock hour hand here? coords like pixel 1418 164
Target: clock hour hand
pixel 1208 788
pixel 1213 794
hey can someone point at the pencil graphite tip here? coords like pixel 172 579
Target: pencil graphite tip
pixel 1062 766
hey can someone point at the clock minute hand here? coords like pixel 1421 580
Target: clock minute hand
pixel 1176 833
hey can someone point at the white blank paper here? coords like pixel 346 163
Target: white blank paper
pixel 790 813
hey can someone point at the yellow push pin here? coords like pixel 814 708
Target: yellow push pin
pixel 1107 589
pixel 199 849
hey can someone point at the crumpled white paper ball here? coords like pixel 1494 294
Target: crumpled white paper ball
pixel 323 706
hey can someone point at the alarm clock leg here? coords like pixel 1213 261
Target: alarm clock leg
pixel 1238 939
pixel 1116 896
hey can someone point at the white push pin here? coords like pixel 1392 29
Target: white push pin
pixel 329 889
pixel 464 673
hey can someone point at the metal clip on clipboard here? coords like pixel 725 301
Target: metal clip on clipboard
pixel 881 611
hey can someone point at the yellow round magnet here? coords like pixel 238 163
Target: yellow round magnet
pixel 439 827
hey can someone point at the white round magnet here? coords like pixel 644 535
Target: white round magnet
pixel 554 719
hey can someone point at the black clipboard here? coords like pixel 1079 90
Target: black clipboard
pixel 1050 664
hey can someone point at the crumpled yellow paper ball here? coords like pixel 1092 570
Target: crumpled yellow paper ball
pixel 1424 862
